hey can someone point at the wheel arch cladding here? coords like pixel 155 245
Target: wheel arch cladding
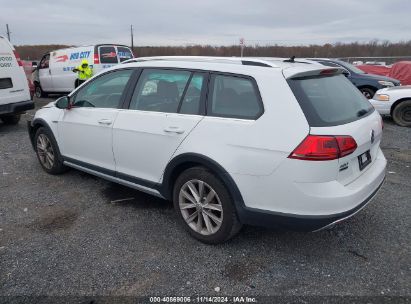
pixel 34 126
pixel 188 160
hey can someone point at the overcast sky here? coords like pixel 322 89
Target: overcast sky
pixel 215 22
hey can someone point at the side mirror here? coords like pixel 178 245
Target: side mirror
pixel 346 73
pixel 63 102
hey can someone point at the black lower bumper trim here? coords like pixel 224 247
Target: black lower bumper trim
pixel 16 108
pixel 255 217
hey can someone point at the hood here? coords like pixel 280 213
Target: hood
pixel 84 61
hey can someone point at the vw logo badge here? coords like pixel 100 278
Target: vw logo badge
pixel 372 136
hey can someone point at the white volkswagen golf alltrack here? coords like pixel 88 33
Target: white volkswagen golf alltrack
pixel 230 141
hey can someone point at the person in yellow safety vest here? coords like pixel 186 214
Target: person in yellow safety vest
pixel 84 72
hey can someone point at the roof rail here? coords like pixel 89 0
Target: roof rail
pixel 211 59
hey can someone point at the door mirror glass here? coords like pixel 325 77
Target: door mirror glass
pixel 63 102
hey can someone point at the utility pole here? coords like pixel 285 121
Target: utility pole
pixel 132 38
pixel 8 32
pixel 241 47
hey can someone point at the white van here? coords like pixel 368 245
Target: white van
pixel 55 74
pixel 14 89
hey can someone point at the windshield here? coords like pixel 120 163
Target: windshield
pixel 351 67
pixel 329 100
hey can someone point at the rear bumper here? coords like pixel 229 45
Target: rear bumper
pixel 16 108
pixel 306 206
pixel 257 217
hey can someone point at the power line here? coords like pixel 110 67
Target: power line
pixel 8 32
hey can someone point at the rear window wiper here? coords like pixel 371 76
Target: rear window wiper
pixel 361 113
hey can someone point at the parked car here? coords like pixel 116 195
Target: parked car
pixel 368 84
pixel 14 90
pixel 395 102
pixel 230 141
pixel 54 74
pixel 29 68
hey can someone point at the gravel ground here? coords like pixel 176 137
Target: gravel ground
pixel 62 235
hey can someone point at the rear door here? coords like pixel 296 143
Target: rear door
pixel 13 82
pixel 164 108
pixel 333 106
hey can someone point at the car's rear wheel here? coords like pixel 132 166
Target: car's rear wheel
pixel 402 113
pixel 204 206
pixel 11 119
pixel 48 152
pixel 367 92
pixel 38 91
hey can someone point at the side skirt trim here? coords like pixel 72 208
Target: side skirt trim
pixel 111 177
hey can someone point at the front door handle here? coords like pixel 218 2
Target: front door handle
pixel 105 122
pixel 173 129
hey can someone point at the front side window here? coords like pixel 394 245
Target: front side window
pixel 104 91
pixel 44 64
pixel 159 90
pixel 233 96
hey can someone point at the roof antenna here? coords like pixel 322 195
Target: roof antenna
pixel 290 60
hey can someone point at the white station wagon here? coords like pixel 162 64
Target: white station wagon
pixel 230 141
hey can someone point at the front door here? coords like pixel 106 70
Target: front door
pixel 85 130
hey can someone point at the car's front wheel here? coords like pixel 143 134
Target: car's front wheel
pixel 402 113
pixel 204 206
pixel 38 91
pixel 48 152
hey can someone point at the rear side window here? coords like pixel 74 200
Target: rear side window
pixel 191 100
pixel 234 96
pixel 124 53
pixel 6 83
pixel 108 54
pixel 329 100
pixel 159 90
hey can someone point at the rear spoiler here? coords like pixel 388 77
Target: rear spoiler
pixel 302 72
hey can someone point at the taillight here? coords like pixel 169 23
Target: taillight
pixel 324 147
pixel 18 58
pixel 96 59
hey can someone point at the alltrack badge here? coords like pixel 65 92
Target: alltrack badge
pixel 372 136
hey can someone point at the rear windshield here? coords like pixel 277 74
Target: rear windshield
pixel 124 53
pixel 108 54
pixel 329 100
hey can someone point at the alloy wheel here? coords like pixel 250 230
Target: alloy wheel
pixel 201 207
pixel 45 151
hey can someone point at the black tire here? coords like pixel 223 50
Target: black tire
pixel 38 91
pixel 402 113
pixel 57 166
pixel 367 92
pixel 230 225
pixel 11 119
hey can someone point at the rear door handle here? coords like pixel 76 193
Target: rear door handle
pixel 105 122
pixel 173 130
